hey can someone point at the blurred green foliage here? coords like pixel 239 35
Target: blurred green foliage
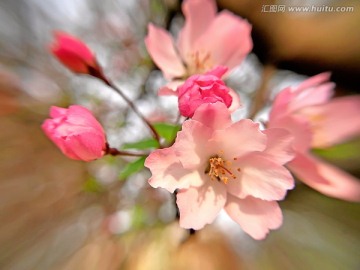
pixel 131 168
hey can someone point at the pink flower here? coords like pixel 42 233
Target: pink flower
pixel 200 89
pixel 206 40
pixel 76 132
pixel 217 164
pixel 318 122
pixel 203 88
pixel 73 53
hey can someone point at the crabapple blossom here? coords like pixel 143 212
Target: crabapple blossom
pixel 317 121
pixel 73 53
pixel 200 89
pixel 76 132
pixel 204 88
pixel 202 43
pixel 216 164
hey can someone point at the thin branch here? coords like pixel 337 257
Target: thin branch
pixel 116 152
pixel 99 74
pixel 261 95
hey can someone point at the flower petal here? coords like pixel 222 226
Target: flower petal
pixel 190 145
pixel 335 121
pixel 198 16
pixel 236 104
pixel 325 177
pixel 313 91
pixel 218 71
pixel 279 145
pixel 63 144
pixel 200 206
pixel 239 139
pixel 213 115
pixel 168 173
pixel 81 116
pixel 229 45
pixel 256 217
pixel 51 132
pixel 76 132
pixel 73 53
pixel 314 80
pixel 170 89
pixel 311 96
pixel 74 46
pixel 281 104
pixel 160 46
pixel 300 129
pixel 85 146
pixel 57 112
pixel 261 178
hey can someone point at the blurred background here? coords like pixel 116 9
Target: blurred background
pixel 56 213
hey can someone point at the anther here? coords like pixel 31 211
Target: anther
pixel 219 169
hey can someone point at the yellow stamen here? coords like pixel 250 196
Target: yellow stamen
pixel 220 169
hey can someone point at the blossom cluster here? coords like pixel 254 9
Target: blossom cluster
pixel 215 163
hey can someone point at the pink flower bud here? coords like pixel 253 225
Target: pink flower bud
pixel 76 132
pixel 73 53
pixel 200 89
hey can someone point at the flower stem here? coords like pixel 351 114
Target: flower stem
pixel 100 75
pixel 116 152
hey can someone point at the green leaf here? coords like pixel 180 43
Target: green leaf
pixel 138 217
pixel 167 131
pixel 344 151
pixel 143 144
pixel 132 167
pixel 93 186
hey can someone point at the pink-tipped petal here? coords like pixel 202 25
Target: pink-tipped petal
pixel 335 121
pixel 200 206
pixel 314 80
pixel 241 138
pixel 311 96
pixel 198 16
pixel 313 91
pixel 256 217
pixel 167 172
pixel 213 115
pixel 325 177
pixel 261 178
pixel 279 145
pixel 229 45
pixel 160 46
